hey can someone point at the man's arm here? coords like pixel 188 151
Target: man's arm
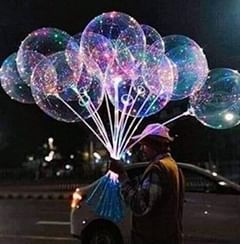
pixel 142 197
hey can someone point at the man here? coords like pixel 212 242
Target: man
pixel 157 200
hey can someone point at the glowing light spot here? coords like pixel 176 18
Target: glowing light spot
pixel 222 183
pixel 113 176
pixel 229 116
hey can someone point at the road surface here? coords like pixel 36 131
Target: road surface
pixel 35 222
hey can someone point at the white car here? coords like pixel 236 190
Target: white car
pixel 211 211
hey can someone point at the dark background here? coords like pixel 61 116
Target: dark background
pixel 214 25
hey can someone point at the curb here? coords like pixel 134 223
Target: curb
pixel 36 196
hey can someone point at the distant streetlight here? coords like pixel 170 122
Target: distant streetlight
pixel 68 167
pixel 49 158
pixel 50 142
pixel 30 158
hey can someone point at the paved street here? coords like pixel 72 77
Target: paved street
pixel 35 222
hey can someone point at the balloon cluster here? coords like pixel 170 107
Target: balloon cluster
pixel 128 65
pixel 114 59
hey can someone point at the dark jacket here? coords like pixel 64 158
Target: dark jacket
pixel 163 224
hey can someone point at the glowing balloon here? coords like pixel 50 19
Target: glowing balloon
pixel 151 35
pixel 72 53
pixel 190 62
pixel 97 48
pixel 12 83
pixel 217 103
pixel 119 35
pixel 58 91
pixel 153 38
pixel 39 43
pixel 145 95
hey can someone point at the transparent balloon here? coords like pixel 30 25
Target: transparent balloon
pixel 97 48
pixel 217 103
pixel 39 43
pixel 62 94
pixel 151 58
pixel 125 37
pixel 72 53
pixel 153 38
pixel 173 41
pixel 145 95
pixel 191 64
pixel 12 83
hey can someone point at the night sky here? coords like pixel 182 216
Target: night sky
pixel 214 25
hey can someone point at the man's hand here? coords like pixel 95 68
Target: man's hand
pixel 117 167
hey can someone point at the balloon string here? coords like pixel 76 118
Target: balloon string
pixel 133 121
pixel 188 112
pixel 125 143
pixel 122 139
pixel 107 103
pixel 98 121
pixel 127 139
pixel 125 118
pixel 81 118
pixel 122 117
pixel 109 114
pixel 94 115
pixel 116 117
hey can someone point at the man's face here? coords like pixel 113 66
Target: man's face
pixel 148 152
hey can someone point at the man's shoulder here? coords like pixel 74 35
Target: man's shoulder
pixel 166 163
pixel 154 166
pixel 161 163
